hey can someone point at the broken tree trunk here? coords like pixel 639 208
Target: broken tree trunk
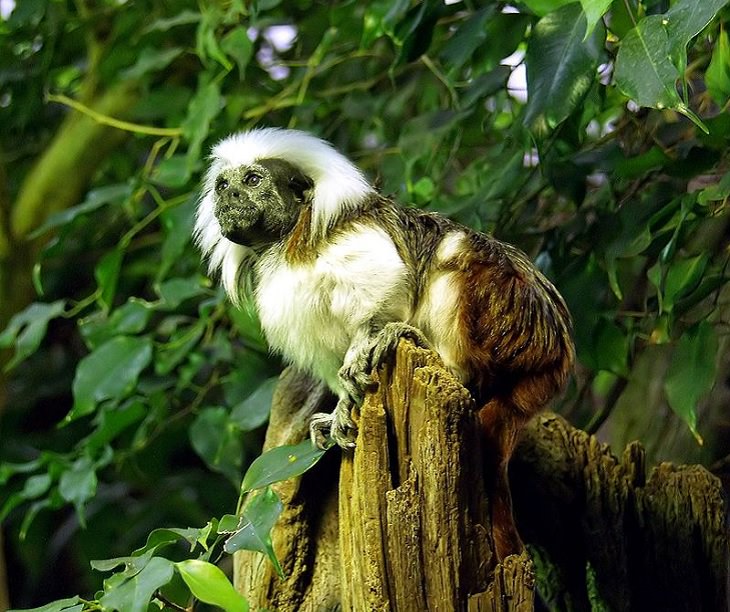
pixel 607 537
pixel 402 524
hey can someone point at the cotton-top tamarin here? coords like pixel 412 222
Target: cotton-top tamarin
pixel 340 272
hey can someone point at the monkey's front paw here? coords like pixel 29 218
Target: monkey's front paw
pixel 337 426
pixel 387 341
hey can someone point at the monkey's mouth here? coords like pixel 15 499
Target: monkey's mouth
pixel 239 224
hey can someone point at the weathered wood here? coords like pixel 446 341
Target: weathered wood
pixel 414 526
pixel 306 536
pixel 405 526
pixel 602 533
pixel 511 589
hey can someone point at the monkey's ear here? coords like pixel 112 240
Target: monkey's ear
pixel 301 187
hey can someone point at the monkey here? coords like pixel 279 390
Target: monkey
pixel 338 273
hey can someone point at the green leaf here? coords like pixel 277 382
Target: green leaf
pixel 206 44
pixel 36 485
pixel 135 594
pixel 594 10
pixel 130 318
pixel 177 223
pixel 110 372
pixel 252 369
pixel 677 280
pixel 218 442
pixel 28 328
pixel 176 290
pixel 717 192
pixel 151 60
pixel 203 108
pixel 610 348
pixel 228 524
pixel 683 276
pixel 181 343
pixel 645 71
pixel 254 410
pixel 467 38
pixel 78 485
pixel 185 17
pixel 486 85
pixel 62 605
pixel 107 276
pixel 112 421
pixel 423 190
pixel 95 199
pixel 33 488
pixel 717 75
pixel 238 46
pixel 174 171
pixel 247 324
pixel 210 585
pixel 380 19
pixel 639 165
pixel 543 7
pixel 253 531
pixel 34 510
pixel 413 33
pixel 631 241
pixel 691 372
pixel 281 463
pixel 685 20
pixel 133 564
pixel 561 67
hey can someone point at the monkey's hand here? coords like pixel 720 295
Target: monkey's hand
pixel 366 354
pixel 387 341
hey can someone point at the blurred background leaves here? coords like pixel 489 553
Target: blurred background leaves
pixel 594 135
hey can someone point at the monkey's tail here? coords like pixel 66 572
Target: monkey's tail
pixel 502 418
pixel 501 424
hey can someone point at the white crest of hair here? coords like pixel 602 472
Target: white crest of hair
pixel 338 184
pixel 338 187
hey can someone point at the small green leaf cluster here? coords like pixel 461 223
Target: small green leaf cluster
pixel 149 578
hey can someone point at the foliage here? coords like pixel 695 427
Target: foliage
pixel 610 169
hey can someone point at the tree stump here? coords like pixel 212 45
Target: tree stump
pixel 607 537
pixel 402 523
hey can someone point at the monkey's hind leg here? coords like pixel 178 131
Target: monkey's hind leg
pixel 337 425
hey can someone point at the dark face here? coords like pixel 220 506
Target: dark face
pixel 260 203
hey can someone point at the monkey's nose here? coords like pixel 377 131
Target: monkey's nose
pixel 223 187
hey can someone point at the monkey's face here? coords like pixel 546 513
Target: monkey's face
pixel 258 204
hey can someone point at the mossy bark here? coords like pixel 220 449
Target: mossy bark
pixel 403 522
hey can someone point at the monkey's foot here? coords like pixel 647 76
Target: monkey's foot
pixel 337 425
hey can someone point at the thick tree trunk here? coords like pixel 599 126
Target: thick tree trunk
pixel 403 522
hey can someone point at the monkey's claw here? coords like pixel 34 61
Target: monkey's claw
pixel 337 426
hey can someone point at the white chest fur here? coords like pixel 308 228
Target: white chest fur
pixel 310 311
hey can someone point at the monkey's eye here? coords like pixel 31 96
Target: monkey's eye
pixel 252 179
pixel 221 185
